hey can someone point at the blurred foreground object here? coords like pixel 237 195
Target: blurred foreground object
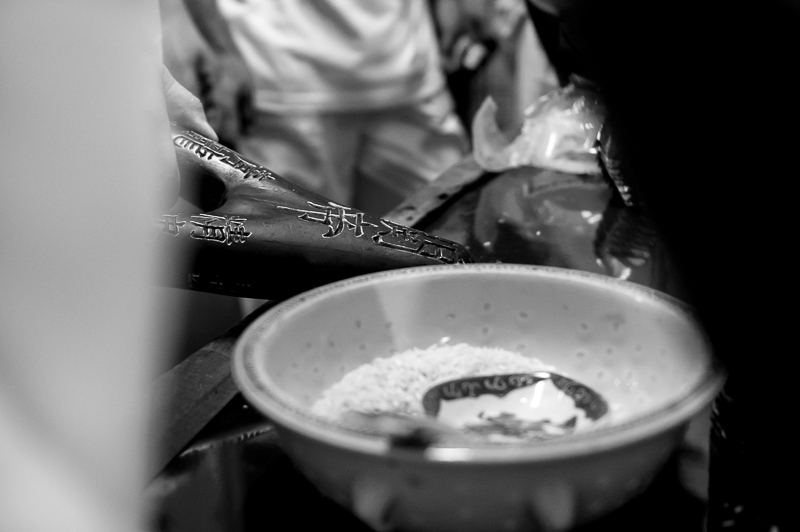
pixel 86 151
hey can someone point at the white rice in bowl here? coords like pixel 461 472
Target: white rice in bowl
pixel 397 383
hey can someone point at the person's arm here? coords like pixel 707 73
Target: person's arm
pixel 212 26
pixel 232 83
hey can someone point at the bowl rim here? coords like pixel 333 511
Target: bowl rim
pixel 287 414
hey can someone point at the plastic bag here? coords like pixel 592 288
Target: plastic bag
pixel 559 132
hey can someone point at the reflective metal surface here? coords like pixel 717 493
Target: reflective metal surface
pixel 261 236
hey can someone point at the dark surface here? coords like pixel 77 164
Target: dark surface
pixel 233 476
pixel 709 147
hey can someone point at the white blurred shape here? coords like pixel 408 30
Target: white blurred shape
pixel 86 163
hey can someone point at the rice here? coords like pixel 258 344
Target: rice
pixel 397 383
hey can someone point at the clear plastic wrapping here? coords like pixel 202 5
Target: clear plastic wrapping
pixel 559 132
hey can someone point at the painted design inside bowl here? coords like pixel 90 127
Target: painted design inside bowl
pixel 634 346
pixel 516 407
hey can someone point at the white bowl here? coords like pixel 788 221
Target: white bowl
pixel 640 349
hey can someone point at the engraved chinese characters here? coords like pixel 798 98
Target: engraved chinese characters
pixel 170 224
pixel 205 148
pixel 338 218
pixel 515 407
pixel 222 229
pixel 232 230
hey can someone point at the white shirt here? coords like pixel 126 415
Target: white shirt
pixel 336 54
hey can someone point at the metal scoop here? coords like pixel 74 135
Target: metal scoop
pixel 261 236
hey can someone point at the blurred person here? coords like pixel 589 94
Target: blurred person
pixel 701 105
pixel 329 92
pixel 491 49
pixel 88 160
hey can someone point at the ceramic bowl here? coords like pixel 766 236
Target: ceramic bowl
pixel 640 349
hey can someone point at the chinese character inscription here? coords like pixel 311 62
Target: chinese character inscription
pixel 208 149
pixel 170 224
pixel 339 218
pixel 222 229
